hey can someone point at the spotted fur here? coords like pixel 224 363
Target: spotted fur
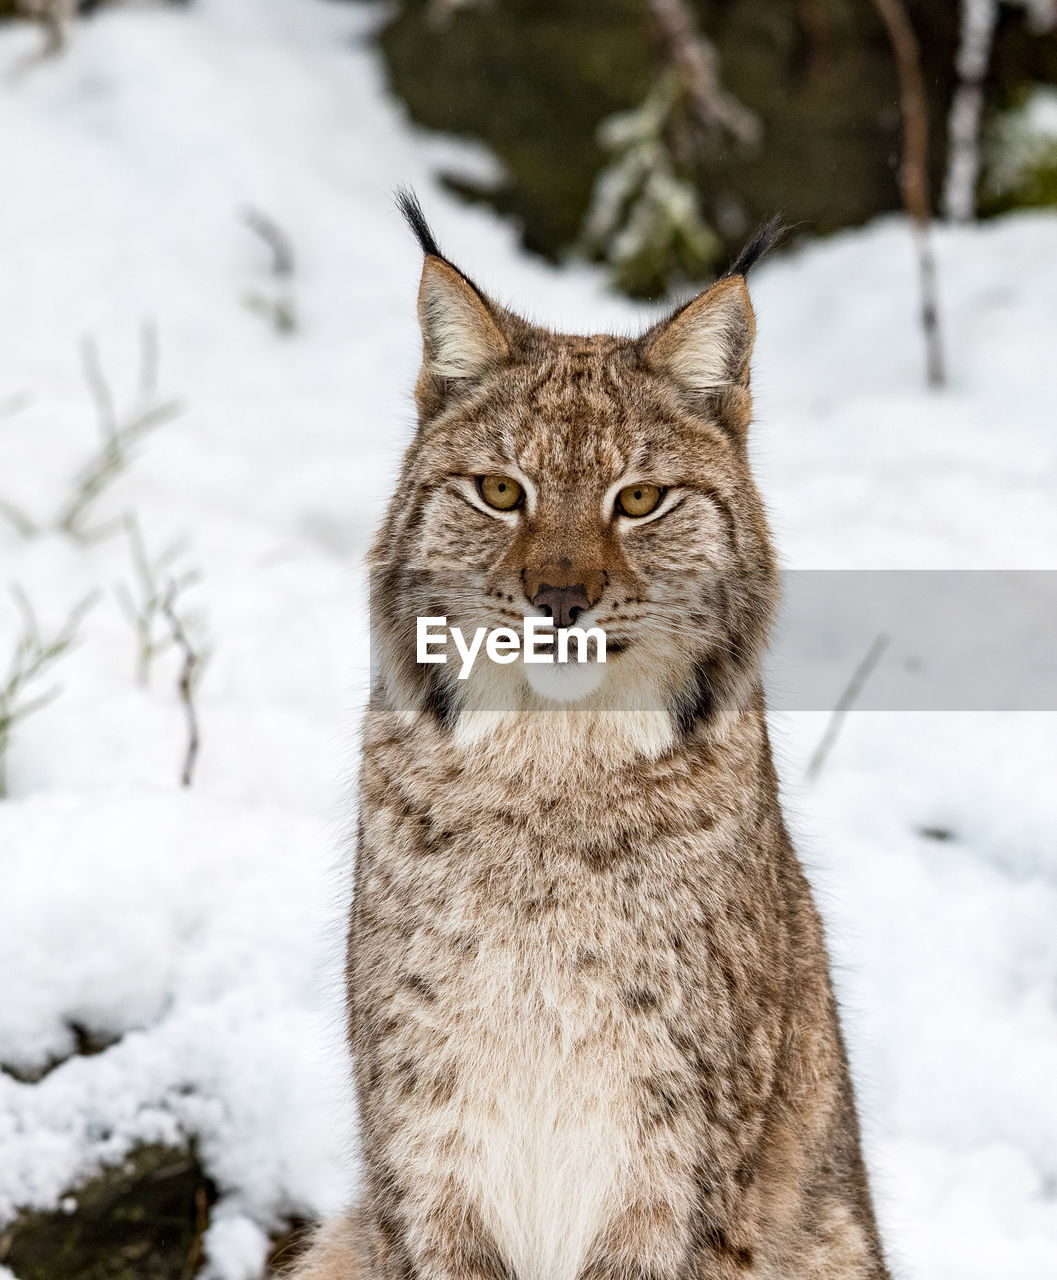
pixel 589 1003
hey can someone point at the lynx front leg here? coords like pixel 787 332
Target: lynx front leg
pixel 336 1253
pixel 655 1243
pixel 435 1234
pixel 646 1242
pixel 449 1245
pixel 840 1245
pixel 680 1212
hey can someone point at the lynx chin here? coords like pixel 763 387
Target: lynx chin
pixel 589 1002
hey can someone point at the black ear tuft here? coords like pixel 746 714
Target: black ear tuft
pixel 764 238
pixel 408 204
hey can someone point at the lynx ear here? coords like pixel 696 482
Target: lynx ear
pixel 706 346
pixel 460 338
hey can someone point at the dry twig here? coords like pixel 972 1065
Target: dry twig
pixel 278 303
pixel 845 703
pixel 190 672
pixel 120 433
pixel 277 240
pixel 142 604
pixel 33 655
pixel 54 18
pixel 18 519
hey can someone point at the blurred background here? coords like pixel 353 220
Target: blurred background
pixel 615 137
pixel 207 350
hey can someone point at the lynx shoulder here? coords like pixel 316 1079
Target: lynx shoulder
pixel 589 1001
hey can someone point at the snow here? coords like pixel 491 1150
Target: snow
pixel 236 1248
pixel 197 933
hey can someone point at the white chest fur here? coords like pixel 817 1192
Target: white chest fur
pixel 548 1133
pixel 549 1168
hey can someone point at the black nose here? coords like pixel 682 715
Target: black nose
pixel 564 604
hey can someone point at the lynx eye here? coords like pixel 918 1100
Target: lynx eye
pixel 499 491
pixel 639 499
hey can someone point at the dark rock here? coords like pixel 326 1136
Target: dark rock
pixel 141 1220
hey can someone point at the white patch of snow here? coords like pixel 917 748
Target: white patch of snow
pixel 235 1248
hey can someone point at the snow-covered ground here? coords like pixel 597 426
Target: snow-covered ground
pixel 199 930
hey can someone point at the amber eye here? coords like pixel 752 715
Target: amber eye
pixel 499 491
pixel 639 499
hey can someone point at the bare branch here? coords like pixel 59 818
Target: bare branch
pixel 276 239
pixel 694 57
pixel 845 702
pixel 17 518
pixel 99 388
pixel 979 19
pixel 30 634
pixel 914 171
pixel 143 607
pixel 120 435
pixel 54 17
pixel 440 12
pixel 190 670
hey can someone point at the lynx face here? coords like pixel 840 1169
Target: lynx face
pixel 602 481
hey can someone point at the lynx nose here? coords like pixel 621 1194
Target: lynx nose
pixel 564 604
pixel 564 590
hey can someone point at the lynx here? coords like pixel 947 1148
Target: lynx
pixel 589 1004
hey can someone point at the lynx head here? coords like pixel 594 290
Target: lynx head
pixel 601 480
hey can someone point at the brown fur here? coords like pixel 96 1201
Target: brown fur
pixel 589 1004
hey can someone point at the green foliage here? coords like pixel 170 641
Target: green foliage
pixel 645 218
pixel 1020 154
pixel 1039 188
pixel 535 80
pixel 1035 189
